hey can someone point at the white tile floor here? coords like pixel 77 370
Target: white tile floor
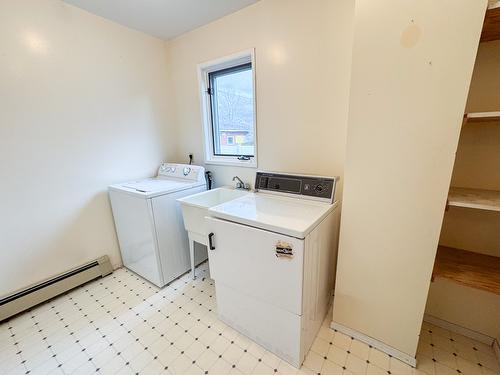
pixel 123 325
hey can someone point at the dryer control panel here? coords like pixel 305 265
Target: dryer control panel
pixel 315 187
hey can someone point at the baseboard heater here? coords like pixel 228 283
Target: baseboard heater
pixel 26 298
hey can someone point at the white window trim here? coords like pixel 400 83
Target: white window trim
pixel 203 70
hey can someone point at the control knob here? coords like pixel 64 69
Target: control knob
pixel 319 188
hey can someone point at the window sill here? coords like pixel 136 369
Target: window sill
pixel 252 163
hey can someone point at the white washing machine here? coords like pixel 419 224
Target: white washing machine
pixel 273 255
pixel 148 221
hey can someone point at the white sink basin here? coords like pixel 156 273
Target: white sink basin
pixel 195 208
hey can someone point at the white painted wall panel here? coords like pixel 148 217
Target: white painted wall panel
pixel 411 69
pixel 83 104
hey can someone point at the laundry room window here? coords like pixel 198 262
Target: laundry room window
pixel 228 104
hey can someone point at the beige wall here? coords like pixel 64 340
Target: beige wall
pixel 477 165
pixel 83 105
pixel 471 308
pixel 485 84
pixel 409 86
pixel 303 52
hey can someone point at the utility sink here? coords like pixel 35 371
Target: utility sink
pixel 195 208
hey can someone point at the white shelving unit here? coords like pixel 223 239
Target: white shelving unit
pixel 468 268
pixel 482 116
pixel 474 198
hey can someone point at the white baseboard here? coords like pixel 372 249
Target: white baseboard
pixel 406 358
pixel 481 337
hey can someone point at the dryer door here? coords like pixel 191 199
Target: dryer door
pixel 257 263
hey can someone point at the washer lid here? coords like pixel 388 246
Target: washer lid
pixel 153 184
pixel 290 216
pixel 151 187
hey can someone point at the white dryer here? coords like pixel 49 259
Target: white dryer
pixel 148 221
pixel 272 255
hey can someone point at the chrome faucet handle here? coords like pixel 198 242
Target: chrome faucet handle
pixel 240 184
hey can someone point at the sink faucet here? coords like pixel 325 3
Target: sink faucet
pixel 240 184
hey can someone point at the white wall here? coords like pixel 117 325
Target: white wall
pixel 411 68
pixel 303 53
pixel 82 105
pixel 471 308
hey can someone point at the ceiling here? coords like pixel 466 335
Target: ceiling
pixel 164 19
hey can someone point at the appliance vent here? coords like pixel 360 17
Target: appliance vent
pixel 40 292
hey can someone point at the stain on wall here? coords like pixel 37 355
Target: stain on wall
pixel 410 35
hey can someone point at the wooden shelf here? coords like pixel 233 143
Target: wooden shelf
pixel 491 25
pixel 482 116
pixel 467 268
pixel 474 198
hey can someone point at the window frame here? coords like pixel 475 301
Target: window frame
pixel 228 62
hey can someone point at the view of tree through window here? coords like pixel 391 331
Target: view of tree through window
pixel 233 111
